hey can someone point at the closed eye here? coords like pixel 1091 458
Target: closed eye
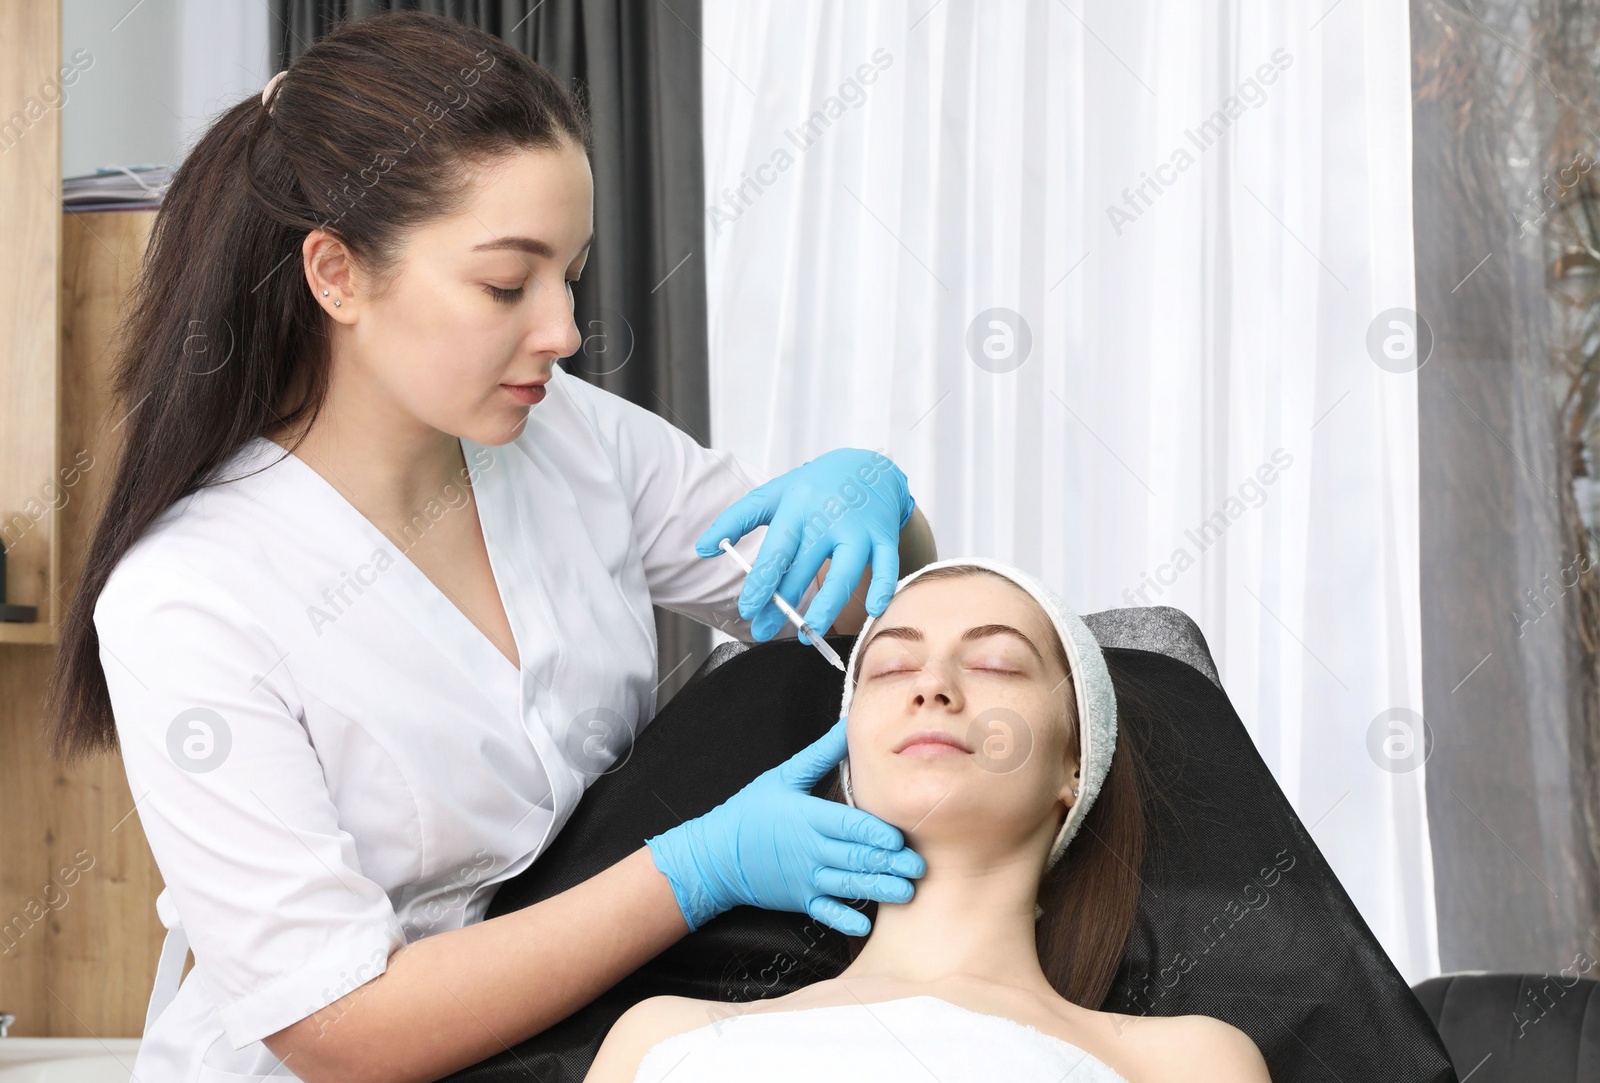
pixel 512 296
pixel 889 671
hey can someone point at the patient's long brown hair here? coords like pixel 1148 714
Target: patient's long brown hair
pixel 1090 897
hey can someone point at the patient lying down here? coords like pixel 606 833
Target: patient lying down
pixel 967 981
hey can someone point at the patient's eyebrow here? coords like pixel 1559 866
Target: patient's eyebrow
pixel 981 631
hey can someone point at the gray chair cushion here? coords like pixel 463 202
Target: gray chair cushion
pixel 1518 1028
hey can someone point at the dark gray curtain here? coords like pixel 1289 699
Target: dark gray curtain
pixel 641 303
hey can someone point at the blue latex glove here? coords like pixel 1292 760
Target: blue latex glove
pixel 775 846
pixel 848 505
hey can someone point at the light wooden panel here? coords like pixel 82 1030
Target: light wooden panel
pixel 30 243
pixel 77 883
pixel 25 870
pixel 101 953
pixel 30 238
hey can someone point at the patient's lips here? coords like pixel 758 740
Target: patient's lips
pixel 931 743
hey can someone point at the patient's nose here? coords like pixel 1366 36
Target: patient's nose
pixel 933 687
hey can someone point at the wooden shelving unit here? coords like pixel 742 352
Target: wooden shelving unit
pixel 78 952
pixel 37 632
pixel 30 236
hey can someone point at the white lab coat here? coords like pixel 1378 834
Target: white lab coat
pixel 330 760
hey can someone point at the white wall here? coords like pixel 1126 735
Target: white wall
pixel 160 70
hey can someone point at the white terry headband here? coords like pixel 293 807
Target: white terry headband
pixel 1097 702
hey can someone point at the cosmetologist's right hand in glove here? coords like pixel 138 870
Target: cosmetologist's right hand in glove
pixel 775 846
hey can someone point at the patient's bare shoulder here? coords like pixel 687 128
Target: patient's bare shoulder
pixel 1193 1048
pixel 641 1027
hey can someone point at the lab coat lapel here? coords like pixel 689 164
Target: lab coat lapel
pixel 560 539
pixel 529 609
pixel 373 561
pixel 535 533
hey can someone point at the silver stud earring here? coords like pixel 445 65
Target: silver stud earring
pixel 336 304
pixel 1074 791
pixel 324 293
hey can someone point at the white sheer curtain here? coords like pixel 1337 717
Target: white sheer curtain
pixel 882 175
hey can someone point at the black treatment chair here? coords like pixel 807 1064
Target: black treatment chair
pixel 1519 1028
pixel 1239 917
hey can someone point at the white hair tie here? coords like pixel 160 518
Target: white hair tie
pixel 268 89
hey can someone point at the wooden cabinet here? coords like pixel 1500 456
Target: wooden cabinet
pixel 78 931
pixel 30 237
pixel 79 936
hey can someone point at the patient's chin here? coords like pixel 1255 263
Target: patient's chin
pixel 934 805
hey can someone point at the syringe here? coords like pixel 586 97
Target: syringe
pixel 789 611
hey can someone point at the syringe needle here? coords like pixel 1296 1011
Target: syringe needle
pixel 789 611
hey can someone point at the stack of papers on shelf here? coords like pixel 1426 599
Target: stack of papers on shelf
pixel 109 188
